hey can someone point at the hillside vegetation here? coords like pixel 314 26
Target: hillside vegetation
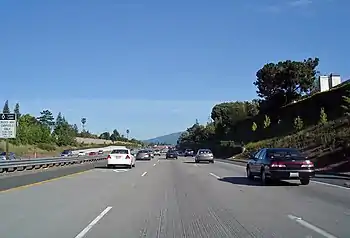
pixel 45 136
pixel 287 114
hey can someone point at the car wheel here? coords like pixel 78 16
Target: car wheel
pixel 212 162
pixel 304 181
pixel 249 174
pixel 130 166
pixel 134 165
pixel 263 177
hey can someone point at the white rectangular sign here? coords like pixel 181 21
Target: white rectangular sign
pixel 8 125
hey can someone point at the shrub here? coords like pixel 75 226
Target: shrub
pixel 298 123
pixel 254 126
pixel 323 117
pixel 267 122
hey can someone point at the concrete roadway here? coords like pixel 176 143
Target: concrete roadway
pixel 320 178
pixel 172 198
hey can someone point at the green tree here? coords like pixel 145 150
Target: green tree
pixel 298 123
pixel 76 129
pixel 115 135
pixel 105 136
pixel 46 118
pixel 282 83
pixel 254 126
pixel 63 133
pixel 17 111
pixel 31 131
pixel 252 108
pixel 226 115
pixel 83 122
pixel 6 108
pixel 323 117
pixel 267 121
pixel 127 133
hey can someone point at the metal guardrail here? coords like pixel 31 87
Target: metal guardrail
pixel 30 164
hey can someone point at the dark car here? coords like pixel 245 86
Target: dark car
pixel 9 156
pixel 189 153
pixel 66 153
pixel 171 154
pixel 143 155
pixel 280 164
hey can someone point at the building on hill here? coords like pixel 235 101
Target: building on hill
pixel 326 82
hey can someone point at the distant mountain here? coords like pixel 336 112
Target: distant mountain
pixel 170 139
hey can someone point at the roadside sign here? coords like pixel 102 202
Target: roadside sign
pixel 8 125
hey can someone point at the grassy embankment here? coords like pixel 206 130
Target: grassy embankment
pixel 325 143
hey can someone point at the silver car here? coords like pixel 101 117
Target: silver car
pixel 143 155
pixel 151 153
pixel 204 155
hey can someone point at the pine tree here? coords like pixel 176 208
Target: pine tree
pixel 6 107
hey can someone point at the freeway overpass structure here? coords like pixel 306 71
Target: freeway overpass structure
pixel 168 198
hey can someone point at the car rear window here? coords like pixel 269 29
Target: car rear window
pixel 285 154
pixel 143 151
pixel 205 152
pixel 120 152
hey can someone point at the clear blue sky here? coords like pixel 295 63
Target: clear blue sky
pixel 155 66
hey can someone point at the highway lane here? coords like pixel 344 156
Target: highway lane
pixel 321 178
pixel 173 198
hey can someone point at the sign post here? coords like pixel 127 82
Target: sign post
pixel 8 126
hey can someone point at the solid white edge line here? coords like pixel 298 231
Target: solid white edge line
pixel 144 174
pixel 214 175
pixel 88 227
pixel 331 185
pixel 312 181
pixel 311 227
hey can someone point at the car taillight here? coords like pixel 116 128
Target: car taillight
pixel 277 165
pixel 127 157
pixel 109 156
pixel 307 164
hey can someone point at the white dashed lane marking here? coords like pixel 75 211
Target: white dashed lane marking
pixel 88 227
pixel 214 175
pixel 144 174
pixel 311 227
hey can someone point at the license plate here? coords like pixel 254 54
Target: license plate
pixel 118 157
pixel 294 175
